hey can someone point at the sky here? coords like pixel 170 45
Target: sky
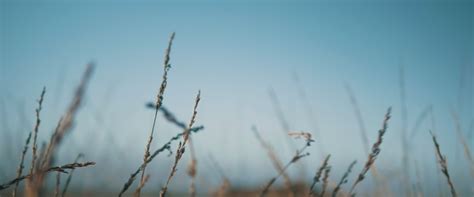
pixel 235 53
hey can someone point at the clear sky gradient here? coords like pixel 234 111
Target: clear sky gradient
pixel 234 52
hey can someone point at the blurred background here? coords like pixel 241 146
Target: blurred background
pixel 279 65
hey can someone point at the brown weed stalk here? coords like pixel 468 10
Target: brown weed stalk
pixel 375 152
pixel 443 164
pixel 159 102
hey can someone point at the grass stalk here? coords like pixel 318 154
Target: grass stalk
pixel 375 152
pixel 444 165
pixel 159 102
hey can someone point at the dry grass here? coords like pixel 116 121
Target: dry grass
pixel 41 164
pixel 275 161
pixel 159 102
pixel 327 170
pixel 300 153
pixel 69 178
pixel 164 147
pixel 21 166
pixel 225 186
pixel 35 131
pixel 343 179
pixel 181 146
pixel 35 182
pixel 61 169
pixel 444 165
pixel 43 159
pixel 462 139
pixel 380 182
pixel 375 152
pixel 317 176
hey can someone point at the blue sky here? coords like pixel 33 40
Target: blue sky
pixel 234 53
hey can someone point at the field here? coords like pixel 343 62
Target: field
pixel 156 134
